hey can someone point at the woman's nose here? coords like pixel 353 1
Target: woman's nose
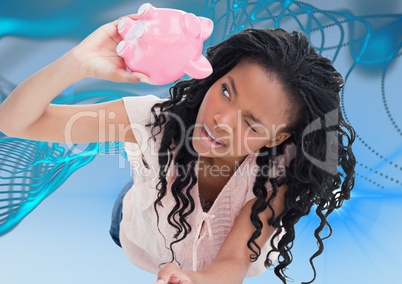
pixel 225 121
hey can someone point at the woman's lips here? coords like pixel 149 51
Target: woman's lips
pixel 208 138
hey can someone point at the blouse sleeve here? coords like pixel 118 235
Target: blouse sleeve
pixel 143 155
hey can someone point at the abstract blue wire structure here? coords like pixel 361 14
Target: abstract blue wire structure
pixel 367 51
pixel 32 170
pixel 371 43
pixel 360 47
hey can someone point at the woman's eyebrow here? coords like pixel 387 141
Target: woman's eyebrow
pixel 232 84
pixel 247 113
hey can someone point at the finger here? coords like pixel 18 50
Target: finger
pixel 166 273
pixel 163 277
pixel 140 76
pixel 122 75
pixel 132 16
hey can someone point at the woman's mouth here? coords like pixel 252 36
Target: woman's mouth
pixel 209 140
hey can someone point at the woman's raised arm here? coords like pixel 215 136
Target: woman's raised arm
pixel 27 112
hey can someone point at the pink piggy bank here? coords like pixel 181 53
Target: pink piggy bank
pixel 165 44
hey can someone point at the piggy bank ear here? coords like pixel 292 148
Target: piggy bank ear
pixel 207 27
pixel 190 25
pixel 198 68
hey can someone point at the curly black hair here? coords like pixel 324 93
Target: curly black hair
pixel 322 172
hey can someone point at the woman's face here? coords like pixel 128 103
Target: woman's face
pixel 243 111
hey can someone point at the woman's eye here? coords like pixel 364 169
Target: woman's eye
pixel 225 90
pixel 249 125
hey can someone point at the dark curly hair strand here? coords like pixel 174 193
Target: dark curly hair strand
pixel 312 85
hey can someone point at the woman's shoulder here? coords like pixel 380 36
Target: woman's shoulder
pixel 145 150
pixel 138 108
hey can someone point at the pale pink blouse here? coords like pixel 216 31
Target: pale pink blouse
pixel 141 241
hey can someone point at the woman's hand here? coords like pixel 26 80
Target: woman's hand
pixel 171 274
pixel 97 57
pixel 232 262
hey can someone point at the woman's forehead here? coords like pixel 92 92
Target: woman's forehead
pixel 259 92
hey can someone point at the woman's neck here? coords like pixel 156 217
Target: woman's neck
pixel 219 166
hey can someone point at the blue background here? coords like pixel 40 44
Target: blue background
pixel 65 239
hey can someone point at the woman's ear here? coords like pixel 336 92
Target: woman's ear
pixel 278 139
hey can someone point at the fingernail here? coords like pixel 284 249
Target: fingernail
pixel 144 80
